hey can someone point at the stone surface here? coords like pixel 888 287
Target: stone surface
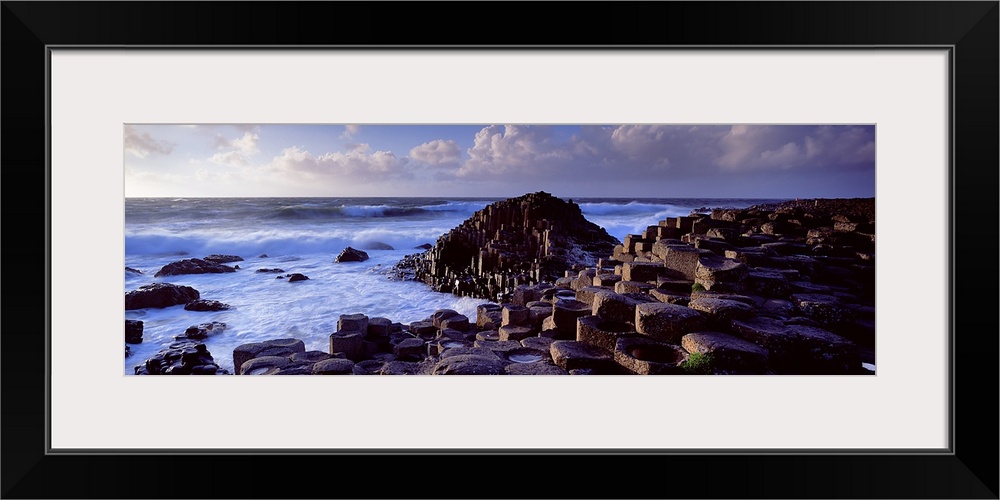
pixel 282 347
pixel 571 355
pixel 602 333
pixel 646 356
pixel 271 270
pixel 633 287
pixel 160 295
pixel 222 259
pixel 351 255
pixel 133 331
pixel 666 322
pixel 203 330
pixel 193 266
pixel 499 347
pixel 541 343
pixel 206 305
pixel 721 311
pixel 513 314
pixel 334 366
pixel 368 367
pixel 617 307
pixel 181 358
pixel 403 368
pixel 730 355
pixel 264 365
pixel 566 312
pixel 512 332
pixel 540 368
pixel 489 316
pixel 469 364
pixel 352 323
pixel 409 349
pixel 292 278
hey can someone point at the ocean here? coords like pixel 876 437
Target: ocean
pixel 304 235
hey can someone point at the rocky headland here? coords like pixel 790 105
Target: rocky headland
pixel 773 289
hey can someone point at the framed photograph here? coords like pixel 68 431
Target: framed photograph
pixel 162 133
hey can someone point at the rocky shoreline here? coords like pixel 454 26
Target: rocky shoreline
pixel 772 289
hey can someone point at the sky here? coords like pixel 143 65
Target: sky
pixel 613 161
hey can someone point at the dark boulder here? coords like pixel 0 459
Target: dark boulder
pixel 160 295
pixel 198 332
pixel 133 331
pixel 193 266
pixel 181 358
pixel 270 270
pixel 297 277
pixel 425 246
pixel 132 270
pixel 222 259
pixel 351 255
pixel 377 245
pixel 206 305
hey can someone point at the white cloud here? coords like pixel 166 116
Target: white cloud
pixel 356 165
pixel 240 151
pixel 141 144
pixel 437 153
pixel 350 131
pixel 515 149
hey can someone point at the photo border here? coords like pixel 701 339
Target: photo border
pixel 31 30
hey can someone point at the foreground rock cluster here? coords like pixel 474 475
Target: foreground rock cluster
pixel 526 240
pixel 779 289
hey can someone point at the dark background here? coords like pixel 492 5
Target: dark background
pixel 970 472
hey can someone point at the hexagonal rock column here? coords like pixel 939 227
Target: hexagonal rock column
pixel 488 316
pixel 823 309
pixel 368 367
pixel 263 365
pixel 442 314
pixel 540 343
pixel 515 315
pixel 771 334
pixel 683 259
pixel 666 322
pixel 572 355
pixel 606 279
pixel 403 368
pixel 618 307
pixel 537 314
pixel 350 342
pixel 468 364
pixel 458 322
pixel 409 349
pixel 645 356
pixel 477 351
pixel 527 355
pixel 512 332
pixel 334 367
pixel 602 333
pixel 499 347
pixel 768 283
pixel 713 271
pixel 539 368
pixel 821 352
pixel 730 355
pixel 491 335
pixel 633 287
pixel 720 312
pixel 566 312
pixel 586 294
pixel 275 347
pixel 642 271
pixel 353 323
pixel 668 297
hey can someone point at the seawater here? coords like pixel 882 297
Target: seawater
pixel 304 235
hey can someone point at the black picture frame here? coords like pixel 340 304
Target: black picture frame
pixel 970 29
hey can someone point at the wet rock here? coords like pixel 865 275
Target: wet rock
pixel 499 347
pixel 476 351
pixel 206 305
pixel 377 245
pixel 666 322
pixel 133 331
pixel 729 354
pixel 540 343
pixel 264 365
pixel 425 246
pixel 275 347
pixel 199 332
pixel 491 335
pixel 309 357
pixel 403 368
pixel 458 322
pixel 571 355
pixel 132 270
pixel 469 364
pixel 540 368
pixel 334 367
pixel 181 358
pixel 602 333
pixel 513 332
pixel 160 295
pixel 193 266
pixel 352 323
pixel 351 255
pixel 489 316
pixel 350 342
pixel 645 356
pixel 618 307
pixel 270 270
pixel 297 277
pixel 409 349
pixel 368 367
pixel 222 259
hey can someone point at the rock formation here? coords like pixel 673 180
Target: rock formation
pixel 526 240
